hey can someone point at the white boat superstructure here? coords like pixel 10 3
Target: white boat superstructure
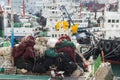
pixel 57 14
pixel 112 20
pixel 53 13
pixel 22 28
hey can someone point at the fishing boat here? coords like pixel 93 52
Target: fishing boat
pixel 24 23
pixel 56 15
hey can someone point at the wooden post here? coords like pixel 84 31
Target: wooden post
pixel 102 52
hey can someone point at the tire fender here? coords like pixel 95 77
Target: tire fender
pixel 115 45
pixel 101 45
pixel 108 46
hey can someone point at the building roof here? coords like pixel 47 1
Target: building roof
pixel 95 7
pixel 113 6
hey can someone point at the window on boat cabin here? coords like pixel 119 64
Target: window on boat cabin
pixel 55 35
pixel 53 12
pixel 53 28
pixel 59 35
pixel 80 21
pixel 56 20
pixel 117 25
pixel 52 35
pixel 8 8
pixel 85 20
pixel 117 21
pixel 112 25
pixel 110 37
pixel 38 8
pixel 55 7
pixel 109 21
pixel 91 14
pixel 85 14
pixel 113 21
pixel 50 19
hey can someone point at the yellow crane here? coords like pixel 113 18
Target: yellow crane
pixel 65 24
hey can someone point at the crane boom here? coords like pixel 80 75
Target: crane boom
pixel 68 15
pixel 74 27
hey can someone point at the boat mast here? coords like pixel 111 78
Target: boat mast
pixel 1 23
pixel 81 5
pixel 95 10
pixel 12 25
pixel 12 14
pixel 118 5
pixel 23 9
pixel 1 10
pixel 54 1
pixel 9 3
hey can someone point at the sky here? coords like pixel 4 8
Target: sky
pixel 100 1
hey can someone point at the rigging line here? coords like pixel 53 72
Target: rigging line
pixel 93 46
pixel 113 55
pixel 89 51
